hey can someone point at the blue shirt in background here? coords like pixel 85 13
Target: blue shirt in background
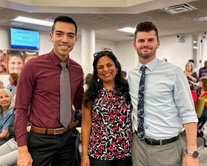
pixel 5 120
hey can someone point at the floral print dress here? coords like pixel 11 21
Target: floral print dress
pixel 111 133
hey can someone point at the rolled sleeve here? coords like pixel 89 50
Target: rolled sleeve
pixel 183 98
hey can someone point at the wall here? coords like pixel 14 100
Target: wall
pixel 202 43
pixel 126 55
pixel 175 52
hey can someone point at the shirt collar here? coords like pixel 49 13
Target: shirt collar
pixel 151 65
pixel 56 59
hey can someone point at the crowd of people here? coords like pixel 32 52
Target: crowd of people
pixel 198 87
pixel 133 119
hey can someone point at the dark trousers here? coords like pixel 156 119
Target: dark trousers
pixel 54 150
pixel 121 162
pixel 203 119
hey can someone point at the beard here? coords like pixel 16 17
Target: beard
pixel 148 54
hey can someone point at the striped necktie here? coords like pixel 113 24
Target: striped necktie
pixel 65 96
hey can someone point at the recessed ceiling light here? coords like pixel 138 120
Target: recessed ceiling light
pixel 33 21
pixel 201 19
pixel 127 29
pixel 17 23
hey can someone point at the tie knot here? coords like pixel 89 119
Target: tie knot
pixel 143 67
pixel 63 64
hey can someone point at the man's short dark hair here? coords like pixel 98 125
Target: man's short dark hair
pixel 146 27
pixel 65 19
pixel 123 74
pixel 191 60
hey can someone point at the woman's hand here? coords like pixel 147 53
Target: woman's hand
pixel 85 161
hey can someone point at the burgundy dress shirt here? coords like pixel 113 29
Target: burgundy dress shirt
pixel 39 87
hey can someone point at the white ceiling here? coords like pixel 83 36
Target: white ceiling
pixel 105 17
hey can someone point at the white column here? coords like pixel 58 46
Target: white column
pixel 87 49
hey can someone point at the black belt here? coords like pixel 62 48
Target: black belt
pixel 151 141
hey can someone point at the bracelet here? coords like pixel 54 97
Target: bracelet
pixel 85 157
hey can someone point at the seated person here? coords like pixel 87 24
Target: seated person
pixel 190 73
pixel 203 85
pixel 6 111
pixel 13 78
pixel 9 150
pixel 193 93
pixel 9 153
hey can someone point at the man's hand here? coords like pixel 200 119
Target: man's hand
pixel 190 161
pixel 24 157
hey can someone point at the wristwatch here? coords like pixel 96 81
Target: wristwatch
pixel 194 154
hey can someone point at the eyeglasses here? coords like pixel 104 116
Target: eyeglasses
pixel 102 52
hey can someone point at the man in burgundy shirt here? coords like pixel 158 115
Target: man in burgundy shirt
pixel 39 89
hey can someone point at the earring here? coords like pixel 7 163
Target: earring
pixel 98 79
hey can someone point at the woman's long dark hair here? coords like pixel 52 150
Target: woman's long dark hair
pixel 95 85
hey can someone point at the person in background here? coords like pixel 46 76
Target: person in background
pixel 12 87
pixel 1 85
pixel 164 59
pixel 124 74
pixel 8 153
pixel 9 150
pixel 49 141
pixel 190 73
pixel 167 106
pixel 29 55
pixel 87 80
pixel 6 111
pixel 203 71
pixel 191 61
pixel 2 62
pixel 203 94
pixel 193 92
pixel 106 131
pixel 15 61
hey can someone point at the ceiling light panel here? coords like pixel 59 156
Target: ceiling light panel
pixel 33 21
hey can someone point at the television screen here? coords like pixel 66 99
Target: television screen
pixel 24 39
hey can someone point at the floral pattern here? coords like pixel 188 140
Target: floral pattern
pixel 111 133
pixel 204 96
